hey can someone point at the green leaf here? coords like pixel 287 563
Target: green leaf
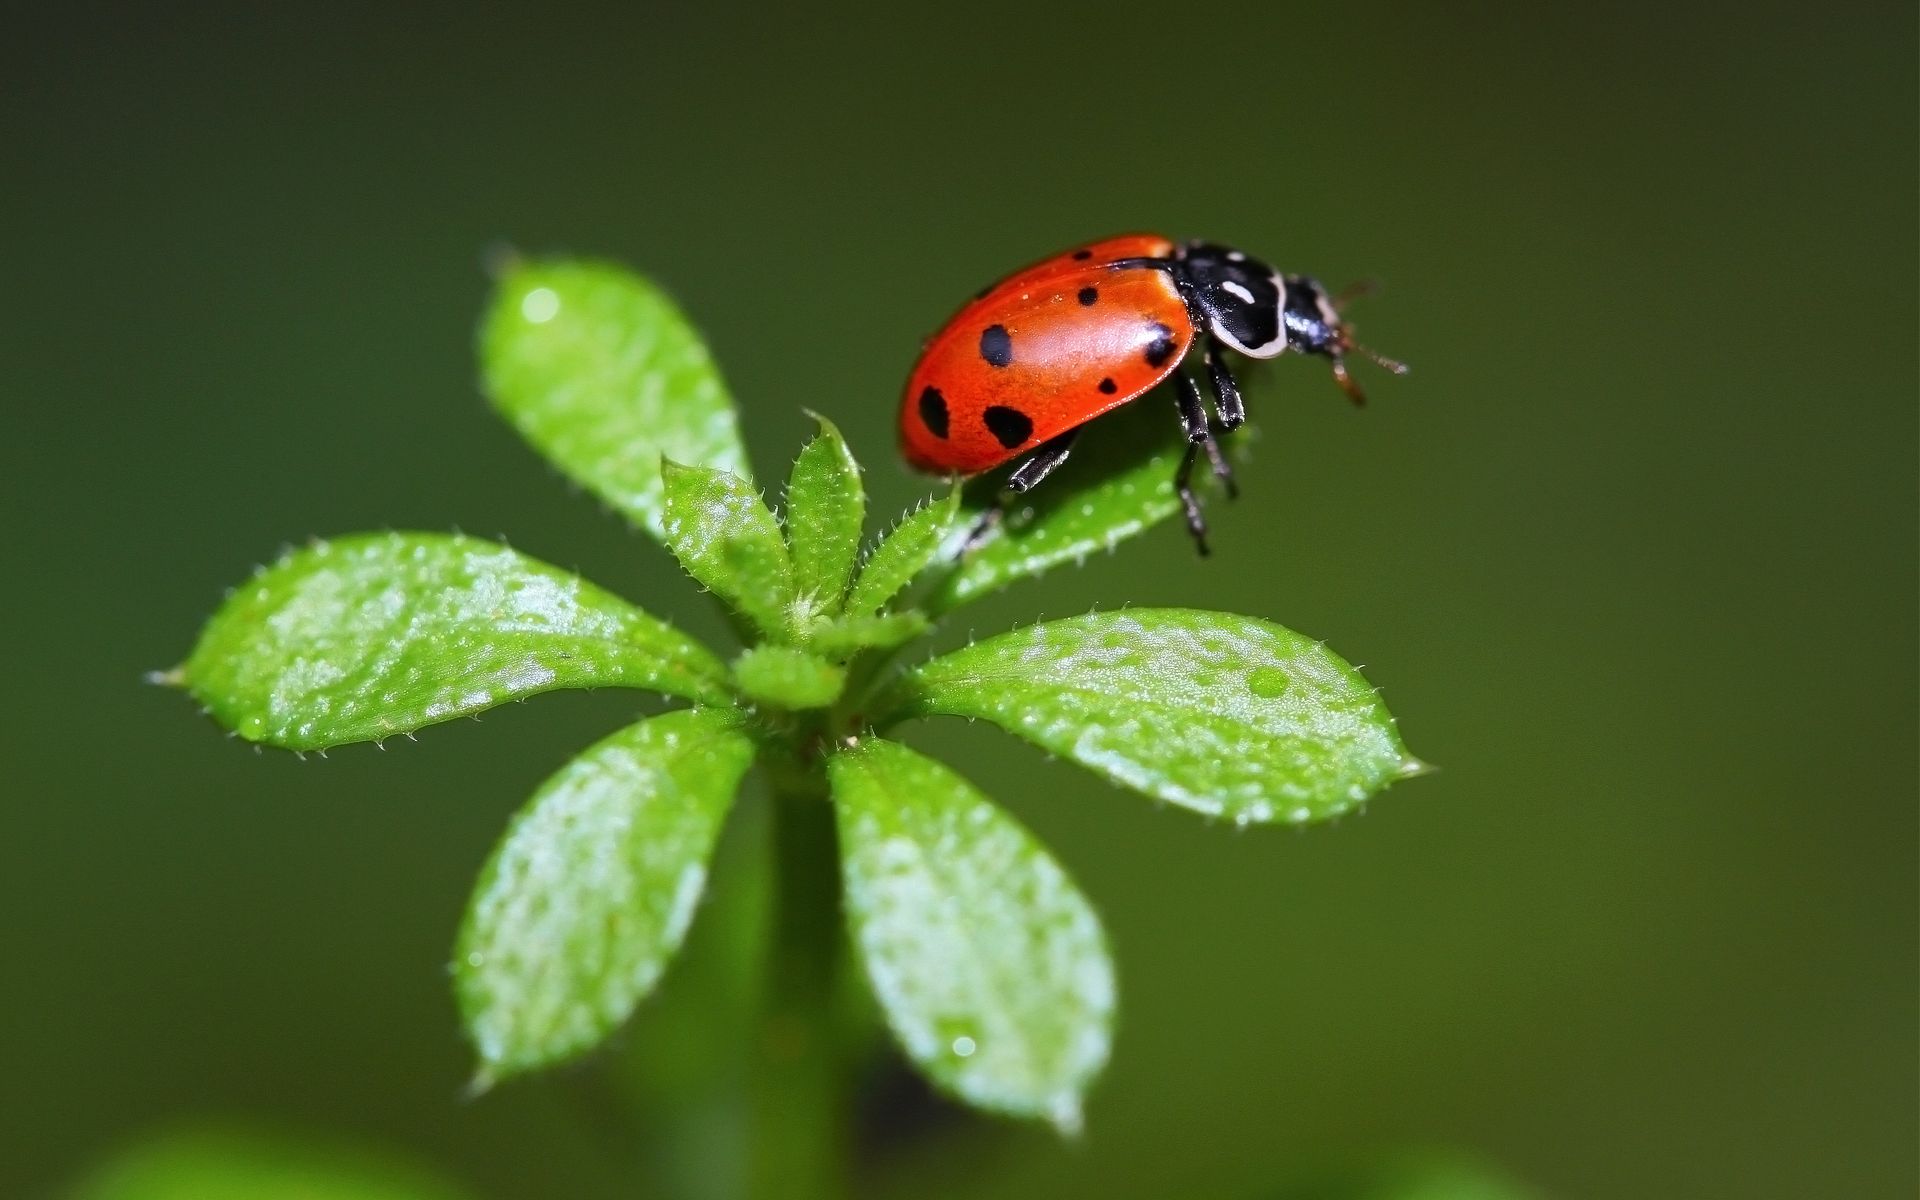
pixel 603 375
pixel 1227 715
pixel 784 677
pixel 1118 483
pixel 687 1045
pixel 367 636
pixel 990 965
pixel 216 1163
pixel 1407 1175
pixel 727 539
pixel 826 508
pixel 849 635
pixel 902 555
pixel 591 891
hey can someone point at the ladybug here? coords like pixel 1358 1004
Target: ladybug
pixel 1030 360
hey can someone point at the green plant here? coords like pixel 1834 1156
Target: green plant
pixel 988 965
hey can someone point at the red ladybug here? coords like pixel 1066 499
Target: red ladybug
pixel 1020 369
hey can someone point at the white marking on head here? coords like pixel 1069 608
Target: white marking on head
pixel 1238 289
pixel 1235 256
pixel 1325 304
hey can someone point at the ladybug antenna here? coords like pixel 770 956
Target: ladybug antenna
pixel 1359 289
pixel 1345 345
pixel 1391 364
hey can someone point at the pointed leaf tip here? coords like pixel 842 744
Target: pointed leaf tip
pixel 785 677
pixel 826 511
pixel 1068 1118
pixel 1230 716
pixel 600 371
pixel 362 637
pixel 990 965
pixel 910 548
pixel 848 635
pixel 500 259
pixel 591 892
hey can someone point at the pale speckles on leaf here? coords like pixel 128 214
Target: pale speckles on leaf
pixel 826 511
pixel 990 965
pixel 905 552
pixel 360 638
pixel 1228 715
pixel 593 888
pixel 599 370
pixel 726 537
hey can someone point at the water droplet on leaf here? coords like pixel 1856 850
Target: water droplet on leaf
pixel 540 305
pixel 1267 682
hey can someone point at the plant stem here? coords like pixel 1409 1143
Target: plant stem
pixel 799 1087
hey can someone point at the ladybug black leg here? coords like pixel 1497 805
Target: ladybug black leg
pixel 1189 503
pixel 982 527
pixel 1230 409
pixel 1042 463
pixel 1226 392
pixel 1193 414
pixel 1193 417
pixel 1222 469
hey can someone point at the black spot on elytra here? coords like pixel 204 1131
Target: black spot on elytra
pixel 933 411
pixel 1009 426
pixel 1108 387
pixel 1082 255
pixel 996 345
pixel 1088 295
pixel 1162 347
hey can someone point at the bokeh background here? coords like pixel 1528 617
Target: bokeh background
pixel 1632 551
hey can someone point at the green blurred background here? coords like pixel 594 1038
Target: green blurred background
pixel 1632 551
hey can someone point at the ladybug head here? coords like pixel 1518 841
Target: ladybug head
pixel 1314 326
pixel 1253 309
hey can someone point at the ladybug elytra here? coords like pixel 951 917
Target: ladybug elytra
pixel 1021 368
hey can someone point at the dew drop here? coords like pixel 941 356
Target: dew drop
pixel 1267 682
pixel 964 1046
pixel 540 305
